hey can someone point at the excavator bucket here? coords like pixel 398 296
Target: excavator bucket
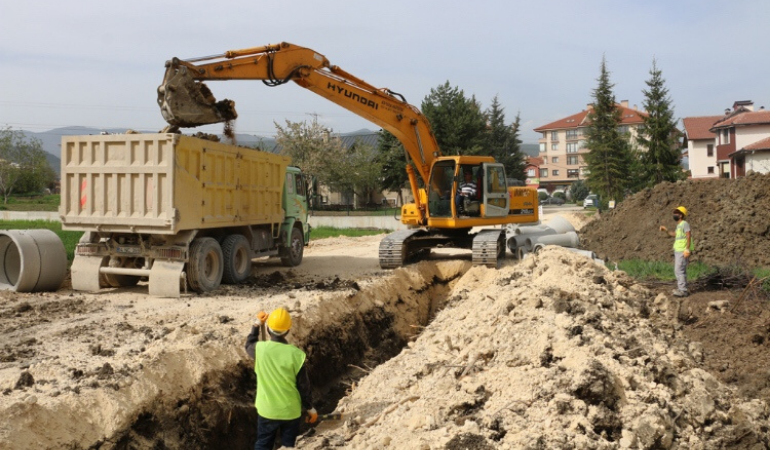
pixel 185 102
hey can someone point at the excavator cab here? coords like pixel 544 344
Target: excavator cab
pixel 185 102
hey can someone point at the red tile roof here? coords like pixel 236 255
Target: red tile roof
pixel 744 118
pixel 627 116
pixel 535 160
pixel 763 144
pixel 698 127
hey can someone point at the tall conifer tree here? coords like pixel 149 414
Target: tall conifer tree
pixel 609 159
pixel 659 135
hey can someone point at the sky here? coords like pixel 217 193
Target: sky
pixel 98 63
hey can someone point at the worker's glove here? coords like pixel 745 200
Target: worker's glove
pixel 261 318
pixel 663 228
pixel 686 253
pixel 312 416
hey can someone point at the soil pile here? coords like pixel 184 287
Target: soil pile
pixel 730 221
pixel 553 352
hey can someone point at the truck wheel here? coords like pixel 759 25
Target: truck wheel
pixel 237 258
pixel 204 270
pixel 121 280
pixel 292 255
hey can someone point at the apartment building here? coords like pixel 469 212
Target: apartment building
pixel 562 146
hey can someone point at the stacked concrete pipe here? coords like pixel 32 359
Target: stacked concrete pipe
pixel 31 260
pixel 531 238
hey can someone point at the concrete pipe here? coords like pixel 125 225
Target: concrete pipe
pixel 32 260
pixel 560 225
pixel 569 239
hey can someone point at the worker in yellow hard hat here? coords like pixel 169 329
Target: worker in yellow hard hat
pixel 283 387
pixel 683 247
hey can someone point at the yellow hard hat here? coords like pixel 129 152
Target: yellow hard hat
pixel 682 210
pixel 279 321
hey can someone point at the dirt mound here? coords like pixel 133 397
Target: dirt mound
pixel 730 221
pixel 554 352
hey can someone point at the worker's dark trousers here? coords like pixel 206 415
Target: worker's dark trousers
pixel 267 429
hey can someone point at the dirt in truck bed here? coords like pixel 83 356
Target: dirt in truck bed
pixel 551 352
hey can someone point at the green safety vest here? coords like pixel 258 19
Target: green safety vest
pixel 277 366
pixel 680 240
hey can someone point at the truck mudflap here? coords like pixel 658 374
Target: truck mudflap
pixel 185 102
pixel 166 278
pixel 86 272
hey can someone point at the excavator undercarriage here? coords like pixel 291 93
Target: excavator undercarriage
pixel 407 246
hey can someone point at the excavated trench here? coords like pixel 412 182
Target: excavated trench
pixel 359 332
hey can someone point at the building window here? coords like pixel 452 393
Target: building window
pixel 725 136
pixel 623 129
pixel 711 169
pixel 710 150
pixel 542 147
pixel 531 172
pixel 554 136
pixel 555 173
pixel 572 134
pixel 555 147
pixel 555 159
pixel 572 160
pixel 543 173
pixel 572 173
pixel 572 147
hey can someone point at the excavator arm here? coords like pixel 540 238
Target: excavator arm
pixel 185 101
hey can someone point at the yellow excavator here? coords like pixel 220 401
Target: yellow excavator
pixel 459 194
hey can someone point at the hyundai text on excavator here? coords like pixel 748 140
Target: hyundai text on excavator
pixel 440 216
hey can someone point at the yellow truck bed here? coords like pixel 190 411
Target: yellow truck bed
pixel 165 183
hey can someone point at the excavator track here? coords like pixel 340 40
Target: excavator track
pixel 395 249
pixel 489 248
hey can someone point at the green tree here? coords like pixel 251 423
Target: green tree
pixel 502 141
pixel 392 158
pixel 457 121
pixel 325 158
pixel 658 135
pixel 358 171
pixel 22 160
pixel 578 191
pixel 609 158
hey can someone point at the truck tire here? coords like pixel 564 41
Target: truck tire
pixel 291 255
pixel 121 280
pixel 237 258
pixel 204 269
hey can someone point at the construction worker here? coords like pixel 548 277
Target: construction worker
pixel 466 189
pixel 283 387
pixel 683 247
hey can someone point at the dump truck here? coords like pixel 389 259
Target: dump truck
pixel 179 211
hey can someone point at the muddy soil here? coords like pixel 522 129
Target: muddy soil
pixel 553 352
pixel 730 221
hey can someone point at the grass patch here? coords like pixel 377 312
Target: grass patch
pixel 329 232
pixel 658 270
pixel 34 203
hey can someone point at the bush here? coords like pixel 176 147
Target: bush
pixel 560 195
pixel 542 196
pixel 579 191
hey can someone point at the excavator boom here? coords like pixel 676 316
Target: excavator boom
pixel 185 101
pixel 438 217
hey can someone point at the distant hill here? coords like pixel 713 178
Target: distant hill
pixel 530 149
